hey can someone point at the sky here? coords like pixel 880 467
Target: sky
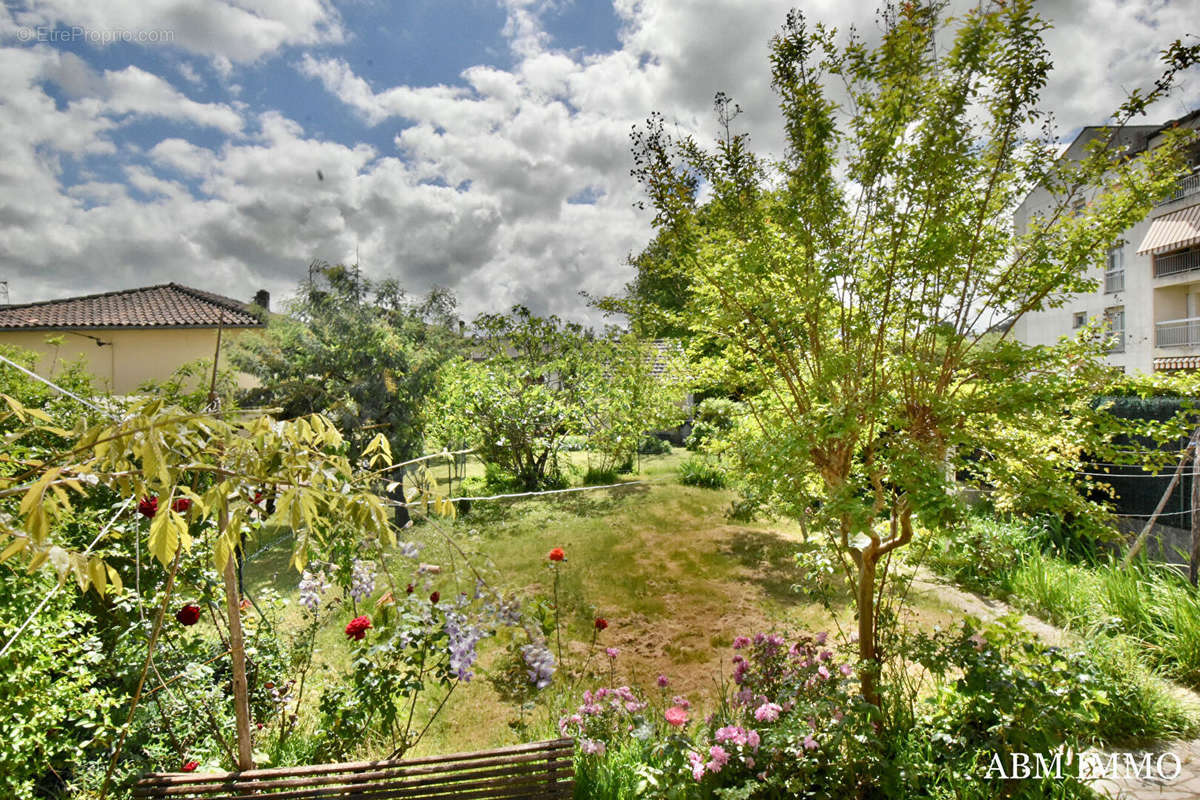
pixel 479 145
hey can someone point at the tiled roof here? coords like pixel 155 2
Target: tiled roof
pixel 167 305
pixel 662 355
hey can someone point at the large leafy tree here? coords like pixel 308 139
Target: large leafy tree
pixel 858 275
pixel 361 352
pixel 522 392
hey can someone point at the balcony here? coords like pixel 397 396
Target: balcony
pixel 1184 188
pixel 1177 332
pixel 1176 263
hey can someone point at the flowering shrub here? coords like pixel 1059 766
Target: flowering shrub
pixel 790 725
pixel 1002 691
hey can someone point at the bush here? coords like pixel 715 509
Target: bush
pixel 715 417
pixel 981 554
pixel 598 476
pixel 698 472
pixel 790 725
pixel 653 446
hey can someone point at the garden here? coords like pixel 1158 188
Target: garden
pixel 713 546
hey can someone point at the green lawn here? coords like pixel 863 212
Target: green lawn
pixel 673 577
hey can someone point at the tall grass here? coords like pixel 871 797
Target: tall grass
pixel 1150 602
pixel 1141 705
pixel 613 776
pixel 1062 593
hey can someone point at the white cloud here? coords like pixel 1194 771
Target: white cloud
pixel 227 30
pixel 135 91
pixel 474 194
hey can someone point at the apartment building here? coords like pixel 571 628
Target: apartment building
pixel 1149 292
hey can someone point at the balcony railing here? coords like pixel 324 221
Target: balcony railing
pixel 1177 332
pixel 1175 263
pixel 1185 187
pixel 1114 282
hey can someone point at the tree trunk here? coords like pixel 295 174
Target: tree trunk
pixel 237 649
pixel 869 676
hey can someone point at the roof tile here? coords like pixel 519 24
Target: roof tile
pixel 167 305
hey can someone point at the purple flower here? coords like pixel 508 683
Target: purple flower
pixel 740 642
pixel 662 681
pixel 845 669
pixel 463 642
pixel 362 580
pixel 810 743
pixel 613 652
pixel 540 661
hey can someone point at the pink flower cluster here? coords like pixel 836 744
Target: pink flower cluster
pixel 719 756
pixel 602 712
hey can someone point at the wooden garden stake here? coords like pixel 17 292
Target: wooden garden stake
pixel 1194 560
pixel 237 649
pixel 1162 503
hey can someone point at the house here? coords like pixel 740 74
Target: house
pixel 1149 292
pixel 130 336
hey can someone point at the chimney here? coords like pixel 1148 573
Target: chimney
pixel 262 299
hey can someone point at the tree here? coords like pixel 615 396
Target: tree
pixel 859 275
pixel 358 351
pixel 197 479
pixel 622 398
pixel 523 394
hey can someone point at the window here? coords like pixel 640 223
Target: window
pixel 1114 269
pixel 1114 319
pixel 1078 320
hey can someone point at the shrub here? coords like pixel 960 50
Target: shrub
pixel 715 418
pixel 790 725
pixel 598 476
pixel 981 553
pixel 699 472
pixel 653 446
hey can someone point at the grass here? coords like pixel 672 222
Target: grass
pixel 1142 624
pixel 676 580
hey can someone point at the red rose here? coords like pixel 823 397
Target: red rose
pixel 357 628
pixel 190 766
pixel 258 496
pixel 601 623
pixel 557 554
pixel 148 507
pixel 188 615
pixel 410 588
pixel 433 598
pixel 180 505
